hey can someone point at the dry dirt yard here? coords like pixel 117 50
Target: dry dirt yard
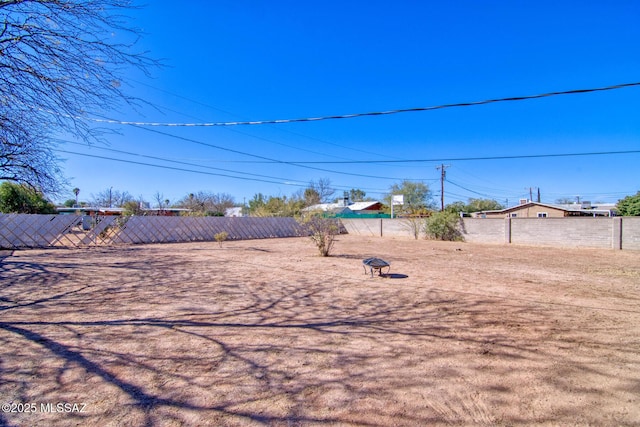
pixel 265 332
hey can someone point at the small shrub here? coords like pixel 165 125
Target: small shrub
pixel 414 225
pixel 221 237
pixel 443 226
pixel 323 232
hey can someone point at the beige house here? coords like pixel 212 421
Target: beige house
pixel 543 210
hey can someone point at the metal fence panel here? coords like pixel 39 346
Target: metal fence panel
pixel 35 231
pixel 42 231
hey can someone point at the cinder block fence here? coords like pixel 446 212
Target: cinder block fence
pixel 579 232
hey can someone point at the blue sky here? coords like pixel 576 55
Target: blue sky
pixel 232 61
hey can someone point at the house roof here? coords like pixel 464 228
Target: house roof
pixel 340 207
pixel 530 204
pixel 562 207
pixel 89 209
pixel 360 206
pixel 326 207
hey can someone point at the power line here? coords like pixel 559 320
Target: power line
pixel 373 113
pixel 280 129
pixel 469 190
pixel 454 159
pixel 261 137
pixel 268 159
pixel 128 153
pixel 477 178
pixel 172 167
pixel 283 181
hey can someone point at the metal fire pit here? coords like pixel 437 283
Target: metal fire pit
pixel 375 264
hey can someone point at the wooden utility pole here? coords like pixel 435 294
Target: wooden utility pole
pixel 443 175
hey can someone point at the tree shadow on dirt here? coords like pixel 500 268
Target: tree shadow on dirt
pixel 206 349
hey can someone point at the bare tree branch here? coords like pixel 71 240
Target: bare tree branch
pixel 61 61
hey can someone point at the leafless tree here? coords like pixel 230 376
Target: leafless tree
pixel 61 64
pixel 160 201
pixel 111 198
pixel 206 203
pixel 323 189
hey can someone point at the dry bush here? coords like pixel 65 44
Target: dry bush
pixel 323 231
pixel 221 237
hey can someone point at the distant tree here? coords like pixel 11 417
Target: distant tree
pixel 457 207
pixel 20 198
pixel 629 206
pixel 283 206
pixel 62 62
pixel 417 197
pixel 311 196
pixel 132 207
pixel 294 205
pixel 220 202
pixel 323 188
pixel 256 204
pixel 473 205
pixel 477 205
pixel 280 206
pixel 111 198
pixel 206 203
pixel 275 206
pixel 76 191
pixel 160 201
pixel 357 195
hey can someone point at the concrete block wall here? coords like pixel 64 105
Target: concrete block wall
pixel 484 230
pixel 397 228
pixel 363 227
pixel 474 229
pixel 576 232
pixel 579 232
pixel 630 233
pixel 378 227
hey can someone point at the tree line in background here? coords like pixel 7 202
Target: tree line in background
pixel 418 201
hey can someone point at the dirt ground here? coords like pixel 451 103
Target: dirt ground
pixel 265 332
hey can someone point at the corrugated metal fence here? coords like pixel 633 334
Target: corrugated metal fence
pixel 43 231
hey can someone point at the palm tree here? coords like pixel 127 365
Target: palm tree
pixel 76 191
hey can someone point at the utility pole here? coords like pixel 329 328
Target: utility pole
pixel 443 175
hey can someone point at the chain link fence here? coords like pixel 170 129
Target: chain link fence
pixel 46 231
